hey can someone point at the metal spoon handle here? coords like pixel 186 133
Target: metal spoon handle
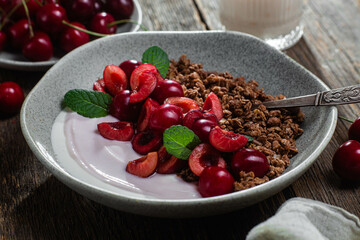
pixel 345 95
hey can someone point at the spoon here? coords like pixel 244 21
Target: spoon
pixel 339 96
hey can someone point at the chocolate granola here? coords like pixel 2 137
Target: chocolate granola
pixel 274 131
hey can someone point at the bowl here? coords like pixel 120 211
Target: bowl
pixel 16 61
pixel 237 53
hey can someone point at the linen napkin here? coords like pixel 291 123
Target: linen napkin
pixel 300 218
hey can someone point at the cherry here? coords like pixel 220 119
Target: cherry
pixel 11 97
pixel 5 3
pixel 204 155
pixel 145 86
pixel 226 141
pixel 202 128
pixel 194 115
pixel 120 131
pixel 165 89
pixel 144 166
pixel 145 142
pixel 129 66
pixel 81 10
pixel 250 160
pixel 168 163
pixel 18 33
pixel 186 104
pixel 38 48
pixel 32 5
pixel 98 6
pixel 72 38
pixel 346 161
pixel 99 85
pixel 354 130
pixel 215 181
pixel 122 109
pixel 134 78
pixel 115 79
pixel 3 39
pixel 212 104
pixel 99 23
pixel 120 9
pixel 147 110
pixel 49 18
pixel 165 116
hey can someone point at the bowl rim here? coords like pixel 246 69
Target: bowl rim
pixel 267 188
pixel 45 65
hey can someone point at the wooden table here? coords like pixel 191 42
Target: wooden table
pixel 35 205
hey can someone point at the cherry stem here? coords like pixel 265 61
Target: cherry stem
pixel 346 119
pixel 127 21
pixel 85 30
pixel 9 15
pixel 28 17
pixel 38 2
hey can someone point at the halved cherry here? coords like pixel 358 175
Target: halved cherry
pixel 204 155
pixel 226 141
pixel 115 79
pixel 134 79
pixel 145 142
pixel 194 115
pixel 99 85
pixel 144 166
pixel 146 85
pixel 212 104
pixel 168 163
pixel 186 104
pixel 122 109
pixel 120 131
pixel 147 109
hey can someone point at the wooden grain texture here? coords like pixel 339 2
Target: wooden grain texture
pixel 34 205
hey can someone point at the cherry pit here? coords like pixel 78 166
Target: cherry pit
pixel 36 28
pixel 147 105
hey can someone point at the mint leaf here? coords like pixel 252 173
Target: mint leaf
pixel 250 139
pixel 179 141
pixel 157 57
pixel 89 104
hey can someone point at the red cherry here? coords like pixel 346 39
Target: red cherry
pixel 72 38
pixel 122 109
pixel 99 23
pixel 165 89
pixel 186 104
pixel 120 9
pixel 204 155
pixel 168 163
pixel 49 18
pixel 99 85
pixel 38 48
pixel 145 142
pixel 146 84
pixel 354 130
pixel 165 116
pixel 115 79
pixel 195 115
pixel 18 33
pixel 212 104
pixel 129 66
pixel 144 166
pixel 202 128
pixel 11 97
pixel 226 141
pixel 81 10
pixel 120 131
pixel 98 6
pixel 215 181
pixel 5 3
pixel 32 5
pixel 134 78
pixel 147 110
pixel 3 39
pixel 346 161
pixel 250 160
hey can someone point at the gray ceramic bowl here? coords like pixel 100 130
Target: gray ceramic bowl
pixel 17 61
pixel 239 54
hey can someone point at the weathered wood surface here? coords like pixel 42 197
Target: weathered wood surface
pixel 34 205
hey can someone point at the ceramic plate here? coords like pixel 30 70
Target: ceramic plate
pixel 17 61
pixel 239 54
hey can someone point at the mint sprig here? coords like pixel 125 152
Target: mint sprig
pixel 157 57
pixel 179 141
pixel 91 104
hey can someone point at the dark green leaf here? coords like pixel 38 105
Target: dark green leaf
pixel 250 139
pixel 179 141
pixel 89 104
pixel 157 57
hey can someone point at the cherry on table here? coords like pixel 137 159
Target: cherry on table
pixel 11 97
pixel 32 5
pixel 354 130
pixel 99 23
pixel 250 160
pixel 38 48
pixel 81 10
pixel 49 18
pixel 346 161
pixel 18 33
pixel 129 66
pixel 72 38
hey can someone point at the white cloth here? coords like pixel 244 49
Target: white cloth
pixel 305 219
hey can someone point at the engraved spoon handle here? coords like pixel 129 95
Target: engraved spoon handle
pixel 339 96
